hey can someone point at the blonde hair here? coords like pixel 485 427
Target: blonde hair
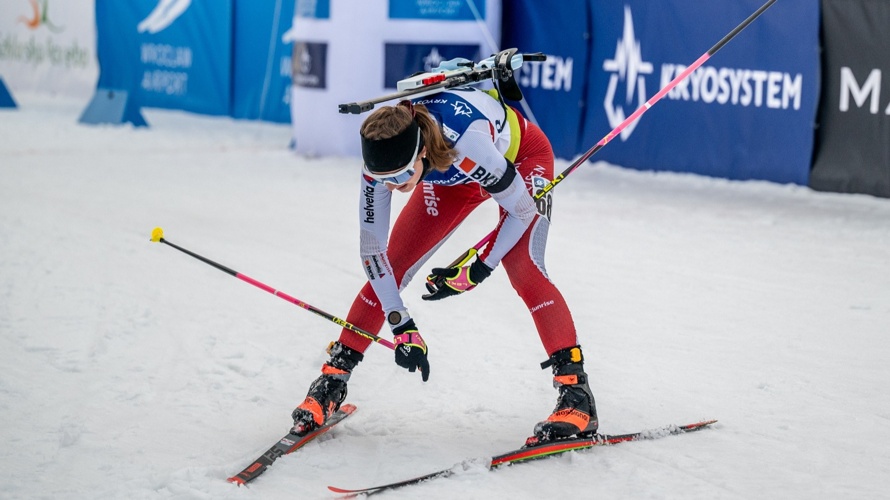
pixel 389 121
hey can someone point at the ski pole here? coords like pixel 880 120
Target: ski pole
pixel 157 236
pixel 633 117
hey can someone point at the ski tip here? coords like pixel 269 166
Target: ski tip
pixel 339 490
pixel 699 425
pixel 349 409
pixel 236 480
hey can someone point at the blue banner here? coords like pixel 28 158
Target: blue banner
pixel 401 60
pixel 167 53
pixel 313 9
pixel 747 113
pixel 262 63
pixel 554 89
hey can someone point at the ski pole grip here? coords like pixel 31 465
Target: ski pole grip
pixel 356 108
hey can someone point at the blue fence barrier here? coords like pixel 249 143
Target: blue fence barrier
pixel 167 54
pixel 261 60
pixel 747 113
pixel 555 88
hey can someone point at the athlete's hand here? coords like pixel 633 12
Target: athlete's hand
pixel 445 282
pixel 410 349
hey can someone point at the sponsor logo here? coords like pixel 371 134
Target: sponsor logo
pixel 553 74
pixel 39 17
pixel 541 306
pixel 456 178
pixel 482 176
pixel 743 87
pixel 170 77
pixel 377 269
pixel 367 300
pixel 163 15
pixel 310 64
pixel 166 66
pixel 707 84
pixel 532 179
pixel 430 199
pixel 450 133
pixel 462 109
pixel 369 204
pixel 627 66
pixel 477 173
pixel 446 10
pixel 166 56
pixel 869 91
pixel 466 165
pixel 432 101
pixel 368 270
pixel 37 49
pixel 432 60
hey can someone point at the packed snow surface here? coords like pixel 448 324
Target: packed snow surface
pixel 131 370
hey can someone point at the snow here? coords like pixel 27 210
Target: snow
pixel 131 370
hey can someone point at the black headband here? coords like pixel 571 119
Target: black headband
pixel 392 153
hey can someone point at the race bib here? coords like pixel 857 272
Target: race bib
pixel 544 204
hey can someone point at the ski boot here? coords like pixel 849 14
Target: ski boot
pixel 575 412
pixel 328 391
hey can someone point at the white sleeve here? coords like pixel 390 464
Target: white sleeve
pixel 374 216
pixel 482 162
pixel 520 207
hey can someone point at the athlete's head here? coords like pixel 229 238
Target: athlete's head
pixel 395 137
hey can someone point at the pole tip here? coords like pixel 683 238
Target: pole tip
pixel 157 234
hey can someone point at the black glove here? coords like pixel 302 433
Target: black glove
pixel 445 282
pixel 411 349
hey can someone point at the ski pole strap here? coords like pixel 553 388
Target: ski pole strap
pixel 461 281
pixel 411 338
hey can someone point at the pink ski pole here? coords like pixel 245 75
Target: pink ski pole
pixel 157 235
pixel 636 114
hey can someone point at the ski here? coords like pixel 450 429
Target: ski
pixel 288 444
pixel 525 454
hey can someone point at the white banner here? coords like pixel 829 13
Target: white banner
pixel 350 51
pixel 49 46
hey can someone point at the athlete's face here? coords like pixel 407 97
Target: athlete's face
pixel 409 185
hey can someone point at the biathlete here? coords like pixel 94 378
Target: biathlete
pixel 464 146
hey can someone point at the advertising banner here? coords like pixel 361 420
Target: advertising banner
pixel 354 51
pixel 262 60
pixel 48 46
pixel 554 90
pixel 853 141
pixel 747 113
pixel 167 53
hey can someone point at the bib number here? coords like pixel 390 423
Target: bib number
pixel 543 204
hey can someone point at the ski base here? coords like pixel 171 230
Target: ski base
pixel 544 450
pixel 288 444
